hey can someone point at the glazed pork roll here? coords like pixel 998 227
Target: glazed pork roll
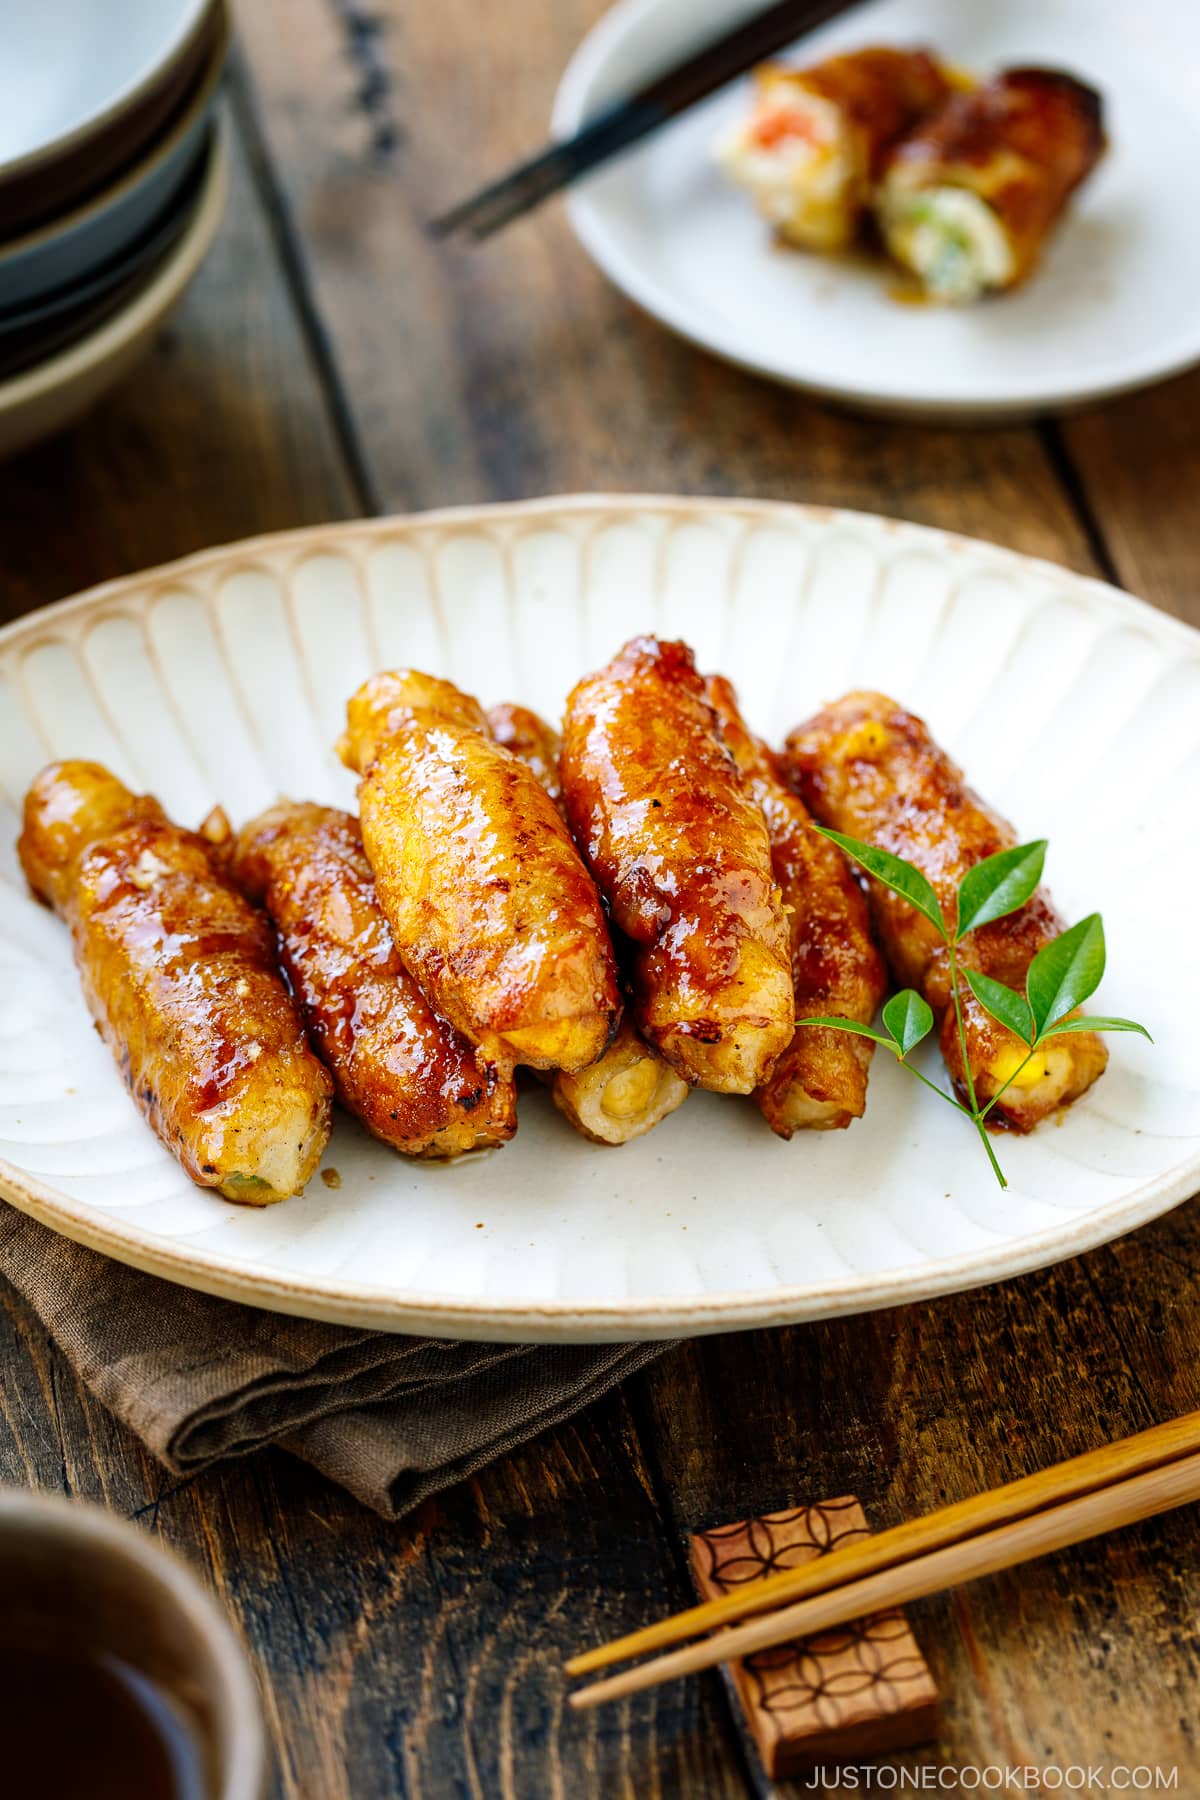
pixel 413 1080
pixel 681 854
pixel 969 198
pixel 491 909
pixel 820 1081
pixel 813 144
pixel 867 768
pixel 630 1089
pixel 179 972
pixel 530 737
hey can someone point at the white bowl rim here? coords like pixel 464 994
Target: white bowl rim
pixel 663 1316
pixel 161 149
pixel 188 26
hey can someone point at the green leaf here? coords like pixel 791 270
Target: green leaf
pixel 853 1025
pixel 1097 1024
pixel 1066 971
pixel 999 885
pixel 1005 1005
pixel 894 872
pixel 908 1018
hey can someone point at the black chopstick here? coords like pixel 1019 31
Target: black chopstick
pixel 626 121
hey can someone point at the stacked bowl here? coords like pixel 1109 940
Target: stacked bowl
pixel 112 180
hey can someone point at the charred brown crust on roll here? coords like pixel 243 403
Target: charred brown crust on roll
pixel 414 1081
pixel 819 1083
pixel 968 200
pixel 681 854
pixel 180 975
pixel 490 906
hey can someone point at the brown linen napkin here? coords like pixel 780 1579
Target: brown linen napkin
pixel 394 1419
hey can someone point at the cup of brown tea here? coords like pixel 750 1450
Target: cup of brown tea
pixel 119 1675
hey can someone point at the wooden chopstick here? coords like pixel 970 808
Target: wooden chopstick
pixel 1142 1496
pixel 950 1524
pixel 626 121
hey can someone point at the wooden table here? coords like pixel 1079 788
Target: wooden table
pixel 329 361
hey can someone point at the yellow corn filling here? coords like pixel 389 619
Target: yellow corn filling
pixel 631 1090
pixel 866 741
pixel 1004 1068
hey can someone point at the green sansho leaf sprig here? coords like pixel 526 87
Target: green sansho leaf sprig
pixel 1063 974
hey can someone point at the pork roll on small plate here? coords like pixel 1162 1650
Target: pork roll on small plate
pixel 812 146
pixel 1086 276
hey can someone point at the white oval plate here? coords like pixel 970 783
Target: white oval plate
pixel 1115 305
pixel 224 678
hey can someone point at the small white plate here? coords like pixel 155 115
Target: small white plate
pixel 1075 708
pixel 1116 303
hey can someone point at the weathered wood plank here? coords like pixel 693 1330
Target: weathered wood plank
pixel 1139 461
pixel 513 369
pixel 424 1659
pixel 1087 1656
pixel 52 1434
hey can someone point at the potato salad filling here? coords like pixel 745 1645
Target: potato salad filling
pixel 951 239
pixel 792 157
